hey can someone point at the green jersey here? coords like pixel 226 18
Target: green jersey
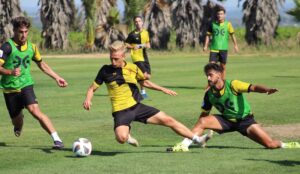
pixel 220 36
pixel 229 102
pixel 17 59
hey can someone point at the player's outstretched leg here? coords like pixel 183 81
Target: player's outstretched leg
pixel 18 124
pixel 163 119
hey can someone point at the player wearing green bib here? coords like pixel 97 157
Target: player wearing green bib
pixel 235 113
pixel 16 56
pixel 219 32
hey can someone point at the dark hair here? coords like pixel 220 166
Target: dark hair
pixel 137 16
pixel 220 8
pixel 213 66
pixel 20 22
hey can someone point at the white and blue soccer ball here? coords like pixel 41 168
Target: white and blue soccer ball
pixel 82 147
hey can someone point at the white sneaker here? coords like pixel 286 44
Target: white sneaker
pixel 132 141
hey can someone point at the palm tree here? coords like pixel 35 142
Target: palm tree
pixel 158 23
pixel 261 18
pixel 108 28
pixel 187 16
pixel 89 9
pixel 56 17
pixel 8 11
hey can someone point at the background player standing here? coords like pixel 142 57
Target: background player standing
pixel 138 41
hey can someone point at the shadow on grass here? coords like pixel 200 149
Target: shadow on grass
pixel 184 87
pixel 290 163
pixel 287 77
pixel 2 144
pixel 225 147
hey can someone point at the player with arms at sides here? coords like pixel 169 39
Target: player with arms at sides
pixel 235 113
pixel 219 31
pixel 138 42
pixel 121 79
pixel 15 62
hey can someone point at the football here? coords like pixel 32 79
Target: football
pixel 82 147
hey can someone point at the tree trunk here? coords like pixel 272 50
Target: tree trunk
pixel 9 9
pixel 56 17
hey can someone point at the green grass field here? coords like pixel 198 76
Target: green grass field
pixel 227 154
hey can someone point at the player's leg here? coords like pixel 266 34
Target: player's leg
pixel 162 118
pixel 46 124
pixel 15 106
pixel 146 69
pixel 32 106
pixel 223 60
pixel 257 134
pixel 122 120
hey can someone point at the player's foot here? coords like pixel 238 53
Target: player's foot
pixel 58 145
pixel 178 148
pixel 132 141
pixel 145 95
pixel 291 145
pixel 208 137
pixel 17 131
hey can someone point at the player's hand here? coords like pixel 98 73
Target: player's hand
pixel 16 72
pixel 169 92
pixel 271 91
pixel 61 82
pixel 204 48
pixel 87 104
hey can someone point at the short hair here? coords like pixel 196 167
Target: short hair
pixel 20 21
pixel 213 66
pixel 137 16
pixel 117 46
pixel 220 8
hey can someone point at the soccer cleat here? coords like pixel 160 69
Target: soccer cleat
pixel 132 141
pixel 178 148
pixel 145 95
pixel 208 137
pixel 291 145
pixel 58 145
pixel 17 131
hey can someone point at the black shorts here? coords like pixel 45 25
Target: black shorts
pixel 241 125
pixel 16 101
pixel 220 56
pixel 138 112
pixel 144 66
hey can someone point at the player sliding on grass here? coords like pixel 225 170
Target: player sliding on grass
pixel 15 61
pixel 121 79
pixel 235 111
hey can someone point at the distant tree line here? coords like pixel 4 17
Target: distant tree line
pixel 100 20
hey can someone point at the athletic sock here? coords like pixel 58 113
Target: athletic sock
pixel 55 137
pixel 198 139
pixel 187 142
pixel 143 91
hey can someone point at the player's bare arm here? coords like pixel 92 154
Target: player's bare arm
pixel 206 42
pixel 89 95
pixel 262 89
pixel 233 38
pixel 151 85
pixel 47 70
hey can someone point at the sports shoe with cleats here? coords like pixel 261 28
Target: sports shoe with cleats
pixel 145 95
pixel 291 145
pixel 17 131
pixel 58 145
pixel 178 148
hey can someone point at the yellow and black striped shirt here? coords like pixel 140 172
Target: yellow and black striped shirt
pixel 121 85
pixel 135 38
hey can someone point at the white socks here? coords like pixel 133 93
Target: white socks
pixel 143 91
pixel 55 137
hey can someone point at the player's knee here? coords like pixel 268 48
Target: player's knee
pixel 201 122
pixel 121 138
pixel 169 121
